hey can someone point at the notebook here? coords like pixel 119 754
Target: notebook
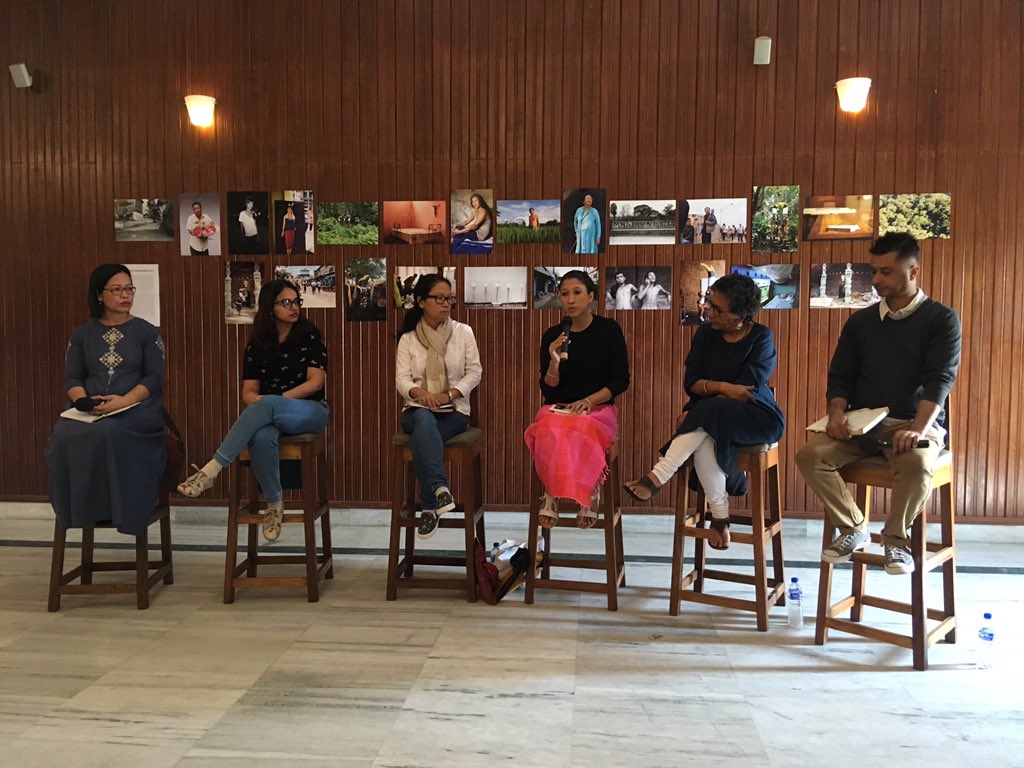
pixel 84 416
pixel 862 420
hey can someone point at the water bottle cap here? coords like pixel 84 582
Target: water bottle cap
pixel 988 615
pixel 794 580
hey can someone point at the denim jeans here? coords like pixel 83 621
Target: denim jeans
pixel 427 432
pixel 258 429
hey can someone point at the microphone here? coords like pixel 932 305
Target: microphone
pixel 563 351
pixel 872 446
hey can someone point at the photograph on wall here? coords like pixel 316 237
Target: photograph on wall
pixel 638 287
pixel 779 283
pixel 142 219
pixel 406 278
pixel 347 224
pixel 775 223
pixel 366 290
pixel 248 223
pixel 695 281
pixel 584 224
pixel 199 224
pixel 841 286
pixel 472 221
pixel 839 217
pixel 710 221
pixel 924 216
pixel 545 285
pixel 146 279
pixel 495 287
pixel 528 221
pixel 293 223
pixel 242 283
pixel 642 222
pixel 315 284
pixel 414 222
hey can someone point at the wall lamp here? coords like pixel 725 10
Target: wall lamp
pixel 853 93
pixel 200 109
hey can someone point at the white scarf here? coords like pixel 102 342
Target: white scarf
pixel 435 375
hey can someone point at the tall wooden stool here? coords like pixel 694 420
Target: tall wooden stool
pixel 761 463
pixel 609 520
pixel 871 473
pixel 311 450
pixel 463 451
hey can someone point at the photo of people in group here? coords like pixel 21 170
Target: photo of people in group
pixel 314 284
pixel 405 280
pixel 366 290
pixel 638 288
pixel 775 223
pixel 710 221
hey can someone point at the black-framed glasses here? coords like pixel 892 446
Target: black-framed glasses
pixel 117 290
pixel 287 303
pixel 439 299
pixel 718 310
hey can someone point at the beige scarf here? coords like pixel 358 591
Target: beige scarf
pixel 435 376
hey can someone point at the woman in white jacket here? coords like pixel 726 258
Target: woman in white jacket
pixel 436 367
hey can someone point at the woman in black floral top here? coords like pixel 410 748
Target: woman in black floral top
pixel 283 374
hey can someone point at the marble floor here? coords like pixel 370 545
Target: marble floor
pixel 430 680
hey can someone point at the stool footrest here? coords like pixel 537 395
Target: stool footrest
pixel 577 586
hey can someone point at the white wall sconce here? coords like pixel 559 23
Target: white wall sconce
pixel 21 76
pixel 853 93
pixel 200 109
pixel 762 50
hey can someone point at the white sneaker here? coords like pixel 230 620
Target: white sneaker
pixel 196 483
pixel 898 560
pixel 843 546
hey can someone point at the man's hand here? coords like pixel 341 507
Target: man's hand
pixel 838 426
pixel 905 440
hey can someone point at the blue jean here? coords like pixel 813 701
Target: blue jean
pixel 258 429
pixel 427 432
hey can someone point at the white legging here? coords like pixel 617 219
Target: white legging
pixel 699 445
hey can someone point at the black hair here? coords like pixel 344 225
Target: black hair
pixel 423 287
pixel 583 277
pixel 264 328
pixel 900 243
pixel 98 281
pixel 483 204
pixel 195 203
pixel 250 200
pixel 743 294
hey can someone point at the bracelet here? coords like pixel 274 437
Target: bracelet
pixel 706 390
pixel 587 401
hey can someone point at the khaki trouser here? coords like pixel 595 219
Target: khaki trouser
pixel 821 458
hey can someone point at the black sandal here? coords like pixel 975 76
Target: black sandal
pixel 645 481
pixel 722 526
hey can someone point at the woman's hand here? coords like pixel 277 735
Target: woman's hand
pixel 736 391
pixel 555 348
pixel 580 406
pixel 110 403
pixel 433 400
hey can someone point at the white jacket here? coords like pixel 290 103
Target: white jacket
pixel 461 362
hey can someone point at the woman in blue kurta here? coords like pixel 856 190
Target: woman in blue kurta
pixel 727 370
pixel 110 470
pixel 587 223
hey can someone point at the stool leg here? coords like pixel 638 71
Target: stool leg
pixel 824 587
pixel 252 559
pixel 410 532
pixel 860 570
pixel 142 570
pixel 478 501
pixel 760 564
pixel 775 516
pixel 948 522
pixel 918 609
pixel 88 539
pixel 469 527
pixel 56 566
pixel 309 509
pixel 620 550
pixel 166 552
pixel 700 548
pixel 395 538
pixel 323 499
pixel 532 538
pixel 231 548
pixel 679 542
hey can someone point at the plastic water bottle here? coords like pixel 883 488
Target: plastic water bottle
pixel 794 604
pixel 986 642
pixel 493 557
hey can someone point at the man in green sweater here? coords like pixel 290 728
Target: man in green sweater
pixel 902 353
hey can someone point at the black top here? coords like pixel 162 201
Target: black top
pixel 896 363
pixel 597 358
pixel 287 369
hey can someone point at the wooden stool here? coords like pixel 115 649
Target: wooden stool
pixel 462 450
pixel 311 450
pixel 875 473
pixel 609 520
pixel 761 463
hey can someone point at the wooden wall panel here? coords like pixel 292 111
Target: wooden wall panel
pixel 407 99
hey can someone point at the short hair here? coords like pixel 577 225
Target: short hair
pixel 583 277
pixel 900 243
pixel 195 203
pixel 98 281
pixel 743 294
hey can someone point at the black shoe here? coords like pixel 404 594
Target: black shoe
pixel 428 524
pixel 445 502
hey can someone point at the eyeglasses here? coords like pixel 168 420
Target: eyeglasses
pixel 439 299
pixel 718 310
pixel 287 303
pixel 117 290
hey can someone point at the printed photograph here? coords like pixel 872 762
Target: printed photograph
pixel 710 221
pixel 584 228
pixel 199 224
pixel 414 222
pixel 472 221
pixel 294 225
pixel 405 280
pixel 347 224
pixel 529 221
pixel 143 219
pixel 926 217
pixel 638 287
pixel 545 286
pixel 841 286
pixel 495 287
pixel 242 283
pixel 775 223
pixel 642 222
pixel 314 284
pixel 248 223
pixel 366 290
pixel 839 217
pixel 779 283
pixel 695 281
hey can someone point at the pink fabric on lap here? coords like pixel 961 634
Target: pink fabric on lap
pixel 569 452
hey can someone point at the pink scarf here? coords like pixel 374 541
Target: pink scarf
pixel 569 452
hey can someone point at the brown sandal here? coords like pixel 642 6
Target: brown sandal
pixel 645 482
pixel 586 518
pixel 721 525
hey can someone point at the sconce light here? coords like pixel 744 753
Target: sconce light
pixel 200 109
pixel 762 50
pixel 21 76
pixel 853 93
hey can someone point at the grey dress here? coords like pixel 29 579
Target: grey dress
pixel 110 470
